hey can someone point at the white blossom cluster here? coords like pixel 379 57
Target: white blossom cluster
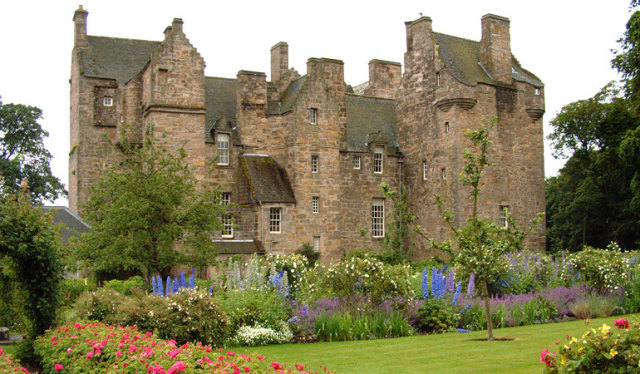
pixel 260 335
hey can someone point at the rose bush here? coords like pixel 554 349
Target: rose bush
pixel 8 365
pixel 95 347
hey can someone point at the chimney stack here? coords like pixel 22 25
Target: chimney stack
pixel 176 25
pixel 279 60
pixel 495 48
pixel 80 30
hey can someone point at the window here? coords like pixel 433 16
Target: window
pixel 444 173
pixel 314 164
pixel 275 216
pixel 504 216
pixel 446 127
pixel 438 79
pixel 537 91
pixel 227 220
pixel 377 159
pixel 315 206
pixel 107 101
pixel 377 218
pixel 316 243
pixel 222 142
pixel 424 170
pixel 313 115
pixel 356 162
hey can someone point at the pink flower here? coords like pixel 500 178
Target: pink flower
pixel 174 353
pixel 69 350
pixel 119 353
pixel 90 355
pixel 132 348
pixel 177 367
pixel 545 357
pixel 621 323
pixel 53 338
pixel 58 367
pixel 55 343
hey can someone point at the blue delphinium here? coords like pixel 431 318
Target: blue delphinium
pixel 465 308
pixel 425 284
pixel 462 330
pixel 192 279
pixel 183 281
pixel 450 283
pixel 153 286
pixel 437 284
pixel 210 290
pixel 472 284
pixel 168 290
pixel 456 294
pixel 175 285
pixel 293 319
pixel 159 283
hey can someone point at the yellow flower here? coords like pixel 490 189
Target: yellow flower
pixel 605 328
pixel 613 352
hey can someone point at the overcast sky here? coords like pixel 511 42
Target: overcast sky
pixel 565 43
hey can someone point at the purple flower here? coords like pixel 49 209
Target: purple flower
pixel 153 286
pixel 192 278
pixel 450 284
pixel 168 285
pixel 159 286
pixel 425 284
pixel 472 283
pixel 457 294
pixel 183 282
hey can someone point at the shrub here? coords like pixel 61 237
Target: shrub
pixel 309 253
pixel 260 335
pixel 251 307
pixel 71 289
pixel 601 270
pixel 8 365
pixel 126 287
pixel 597 351
pixel 436 316
pixel 97 348
pixel 99 305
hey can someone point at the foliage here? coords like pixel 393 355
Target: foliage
pixel 12 299
pixel 8 365
pixel 597 351
pixel 398 228
pixel 361 326
pixel 94 348
pixel 71 288
pixel 126 287
pixel 593 306
pixel 30 247
pixel 250 307
pixel 519 310
pixel 601 270
pixel 23 155
pixel 437 316
pixel 260 335
pixel 309 253
pixel 99 305
pixel 169 210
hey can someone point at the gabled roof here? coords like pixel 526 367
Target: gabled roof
pixel 115 58
pixel 267 181
pixel 461 58
pixel 289 97
pixel 371 120
pixel 71 223
pixel 220 102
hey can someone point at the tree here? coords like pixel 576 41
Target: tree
pixel 399 228
pixel 23 155
pixel 147 215
pixel 479 247
pixel 28 246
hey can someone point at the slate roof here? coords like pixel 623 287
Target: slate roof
pixel 288 98
pixel 115 58
pixel 267 181
pixel 71 223
pixel 220 103
pixel 461 58
pixel 371 119
pixel 239 247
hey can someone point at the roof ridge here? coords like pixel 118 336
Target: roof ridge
pixel 230 79
pixel 458 37
pixel 135 40
pixel 369 97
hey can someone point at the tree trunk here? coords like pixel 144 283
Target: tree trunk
pixel 487 308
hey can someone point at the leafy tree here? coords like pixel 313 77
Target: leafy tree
pixel 399 228
pixel 23 155
pixel 29 248
pixel 147 215
pixel 479 246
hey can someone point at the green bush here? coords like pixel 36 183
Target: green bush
pixel 361 326
pixel 602 270
pixel 99 305
pixel 126 287
pixel 70 289
pixel 251 307
pixel 309 253
pixel 436 316
pixel 598 351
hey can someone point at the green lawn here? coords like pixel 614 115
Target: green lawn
pixel 446 353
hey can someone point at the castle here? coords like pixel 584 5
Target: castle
pixel 303 156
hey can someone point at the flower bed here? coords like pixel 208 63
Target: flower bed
pixel 95 347
pixel 7 365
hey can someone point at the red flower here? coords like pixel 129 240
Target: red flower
pixel 621 323
pixel 545 357
pixel 58 367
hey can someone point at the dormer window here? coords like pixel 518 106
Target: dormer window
pixel 107 101
pixel 313 115
pixel 222 143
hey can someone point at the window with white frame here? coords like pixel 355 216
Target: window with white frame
pixel 107 101
pixel 315 204
pixel 313 115
pixel 227 220
pixel 222 142
pixel 424 170
pixel 275 220
pixel 356 162
pixel 377 218
pixel 316 243
pixel 377 159
pixel 504 216
pixel 314 164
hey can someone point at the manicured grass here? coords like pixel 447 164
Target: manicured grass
pixel 446 353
